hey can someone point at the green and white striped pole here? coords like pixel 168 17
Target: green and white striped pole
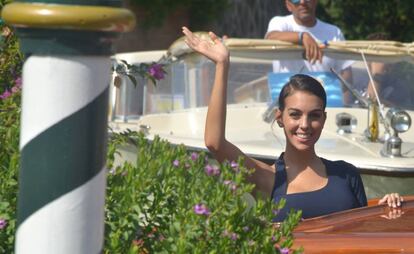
pixel 64 121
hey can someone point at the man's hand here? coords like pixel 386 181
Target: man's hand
pixel 313 51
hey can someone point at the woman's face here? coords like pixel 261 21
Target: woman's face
pixel 302 119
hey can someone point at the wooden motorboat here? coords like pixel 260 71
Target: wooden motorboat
pixel 175 109
pixel 372 229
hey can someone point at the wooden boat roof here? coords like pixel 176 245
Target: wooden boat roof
pixel 387 51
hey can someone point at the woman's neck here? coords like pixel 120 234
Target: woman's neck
pixel 300 159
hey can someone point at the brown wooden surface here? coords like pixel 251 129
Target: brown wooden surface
pixel 373 229
pixel 355 243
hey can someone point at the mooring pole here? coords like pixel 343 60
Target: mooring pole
pixel 64 121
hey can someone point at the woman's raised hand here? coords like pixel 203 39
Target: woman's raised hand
pixel 214 49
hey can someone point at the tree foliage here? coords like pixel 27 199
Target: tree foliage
pixel 358 19
pixel 200 11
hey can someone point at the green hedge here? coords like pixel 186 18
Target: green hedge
pixel 174 201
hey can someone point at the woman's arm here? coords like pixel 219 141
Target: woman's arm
pixel 214 135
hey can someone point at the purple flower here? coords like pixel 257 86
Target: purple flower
pixel 275 211
pixel 231 185
pixel 246 229
pixel 156 71
pixel 5 95
pixel 18 82
pixel 284 250
pixel 212 170
pixel 176 163
pixel 234 236
pixel 3 223
pixel 226 233
pixel 15 89
pixel 201 209
pixel 234 165
pixel 194 156
pixel 227 182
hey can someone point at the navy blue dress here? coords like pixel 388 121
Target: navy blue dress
pixel 343 191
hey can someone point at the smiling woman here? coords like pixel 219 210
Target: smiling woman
pixel 312 184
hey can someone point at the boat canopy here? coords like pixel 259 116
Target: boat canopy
pixel 382 51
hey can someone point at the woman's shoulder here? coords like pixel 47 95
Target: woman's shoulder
pixel 340 167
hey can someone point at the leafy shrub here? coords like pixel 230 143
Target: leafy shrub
pixel 9 165
pixel 173 201
pixel 169 201
pixel 11 62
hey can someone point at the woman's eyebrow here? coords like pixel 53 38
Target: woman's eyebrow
pixel 313 110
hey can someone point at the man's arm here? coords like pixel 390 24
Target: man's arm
pixel 313 51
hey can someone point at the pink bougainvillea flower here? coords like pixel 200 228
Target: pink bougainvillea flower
pixel 194 156
pixel 201 209
pixel 3 223
pixel 176 163
pixel 212 170
pixel 156 71
pixel 5 95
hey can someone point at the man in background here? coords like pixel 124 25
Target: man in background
pixel 390 80
pixel 303 28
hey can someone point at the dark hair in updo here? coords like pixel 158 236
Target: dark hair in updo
pixel 305 83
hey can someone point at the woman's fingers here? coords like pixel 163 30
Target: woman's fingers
pixel 392 200
pixel 214 38
pixel 213 49
pixel 397 199
pixel 187 33
pixel 383 200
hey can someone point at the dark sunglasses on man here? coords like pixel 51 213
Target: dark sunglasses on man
pixel 297 2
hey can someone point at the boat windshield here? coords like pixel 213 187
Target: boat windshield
pixel 254 80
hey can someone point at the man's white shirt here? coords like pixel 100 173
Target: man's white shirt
pixel 321 32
